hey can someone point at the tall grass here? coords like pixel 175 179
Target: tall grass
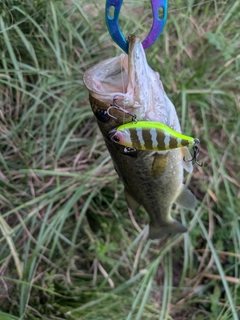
pixel 68 247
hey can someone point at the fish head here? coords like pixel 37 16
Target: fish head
pixel 128 82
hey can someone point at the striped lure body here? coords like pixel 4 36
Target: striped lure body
pixel 148 135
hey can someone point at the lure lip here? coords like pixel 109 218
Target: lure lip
pixel 112 133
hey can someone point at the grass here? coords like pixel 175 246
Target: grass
pixel 68 247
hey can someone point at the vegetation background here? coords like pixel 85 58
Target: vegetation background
pixel 68 247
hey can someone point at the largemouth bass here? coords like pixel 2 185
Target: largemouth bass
pixel 151 179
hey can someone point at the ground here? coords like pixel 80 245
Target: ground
pixel 70 249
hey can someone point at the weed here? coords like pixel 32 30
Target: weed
pixel 55 170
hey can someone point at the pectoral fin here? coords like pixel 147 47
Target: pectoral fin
pixel 187 156
pixel 159 163
pixel 186 199
pixel 132 203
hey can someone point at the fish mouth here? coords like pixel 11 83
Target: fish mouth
pixel 124 77
pixel 108 79
pixel 133 85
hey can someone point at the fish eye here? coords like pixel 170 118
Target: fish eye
pixel 102 115
pixel 116 139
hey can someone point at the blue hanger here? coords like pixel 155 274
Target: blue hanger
pixel 157 26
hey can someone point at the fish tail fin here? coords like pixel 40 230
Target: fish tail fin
pixel 173 227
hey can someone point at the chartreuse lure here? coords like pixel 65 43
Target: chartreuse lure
pixel 148 135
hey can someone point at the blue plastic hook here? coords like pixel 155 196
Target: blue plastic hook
pixel 157 26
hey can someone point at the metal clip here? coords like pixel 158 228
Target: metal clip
pixel 157 26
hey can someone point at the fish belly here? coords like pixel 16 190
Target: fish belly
pixel 155 193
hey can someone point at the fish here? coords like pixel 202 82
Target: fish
pixel 149 135
pixel 152 179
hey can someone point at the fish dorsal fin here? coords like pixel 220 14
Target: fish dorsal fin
pixel 132 203
pixel 160 162
pixel 186 198
pixel 186 165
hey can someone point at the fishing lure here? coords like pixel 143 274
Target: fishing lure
pixel 152 136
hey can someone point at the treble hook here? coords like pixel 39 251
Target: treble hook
pixel 117 107
pixel 157 26
pixel 195 153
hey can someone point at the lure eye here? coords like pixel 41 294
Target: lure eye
pixel 116 139
pixel 102 115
